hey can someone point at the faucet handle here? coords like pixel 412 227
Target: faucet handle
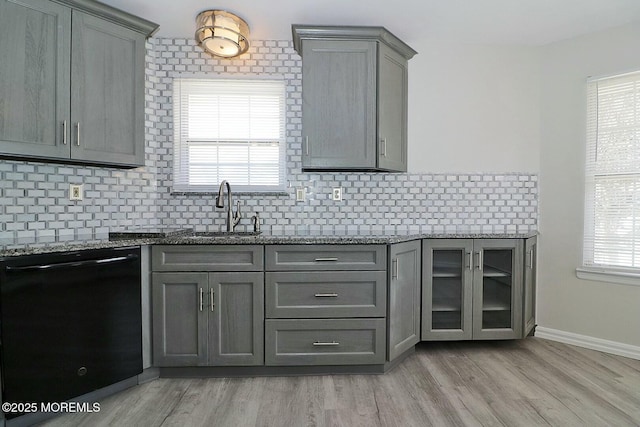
pixel 256 222
pixel 237 215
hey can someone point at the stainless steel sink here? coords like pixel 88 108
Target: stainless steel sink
pixel 226 233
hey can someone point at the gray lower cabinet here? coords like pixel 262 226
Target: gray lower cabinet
pixel 325 304
pixel 72 86
pixel 355 79
pixel 472 289
pixel 208 317
pixel 403 318
pixel 529 288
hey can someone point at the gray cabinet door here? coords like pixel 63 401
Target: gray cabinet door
pixel 35 40
pixel 447 289
pixel 339 104
pixel 529 287
pixel 179 319
pixel 107 92
pixel 236 313
pixel 392 109
pixel 497 287
pixel 403 321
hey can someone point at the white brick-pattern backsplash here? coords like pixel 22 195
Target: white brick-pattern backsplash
pixel 34 199
pixel 372 202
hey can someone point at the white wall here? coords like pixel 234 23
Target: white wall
pixel 601 310
pixel 473 108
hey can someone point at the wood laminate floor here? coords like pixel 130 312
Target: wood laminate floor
pixel 531 382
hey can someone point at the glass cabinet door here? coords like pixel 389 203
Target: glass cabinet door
pixel 497 288
pixel 447 291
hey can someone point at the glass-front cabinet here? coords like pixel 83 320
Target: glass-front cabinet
pixel 447 289
pixel 472 289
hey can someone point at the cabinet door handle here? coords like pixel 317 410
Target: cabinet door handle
pixel 64 132
pixel 78 134
pixel 479 260
pixel 326 295
pixel 530 259
pixel 306 145
pixel 325 344
pixel 326 259
pixel 467 257
pixel 383 141
pixel 211 294
pixel 201 299
pixel 394 269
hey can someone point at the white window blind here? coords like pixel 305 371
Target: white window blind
pixel 612 202
pixel 230 130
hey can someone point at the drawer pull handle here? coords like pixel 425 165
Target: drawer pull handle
pixel 325 344
pixel 326 259
pixel 326 295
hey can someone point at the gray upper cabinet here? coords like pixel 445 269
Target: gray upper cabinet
pixel 354 98
pixel 392 109
pixel 35 39
pixel 72 82
pixel 107 92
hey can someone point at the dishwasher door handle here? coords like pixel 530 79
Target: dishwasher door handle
pixel 102 261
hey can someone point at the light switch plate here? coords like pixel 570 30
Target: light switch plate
pixel 76 192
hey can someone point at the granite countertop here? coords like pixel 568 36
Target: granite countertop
pixel 172 236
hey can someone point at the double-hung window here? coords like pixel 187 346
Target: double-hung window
pixel 230 130
pixel 612 202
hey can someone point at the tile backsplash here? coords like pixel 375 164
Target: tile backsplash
pixel 34 196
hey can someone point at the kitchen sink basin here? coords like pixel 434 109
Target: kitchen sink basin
pixel 226 233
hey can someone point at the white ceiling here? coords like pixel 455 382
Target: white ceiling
pixel 521 22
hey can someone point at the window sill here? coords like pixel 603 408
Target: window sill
pixel 609 275
pixel 235 193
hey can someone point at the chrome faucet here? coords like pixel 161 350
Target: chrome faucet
pixel 232 218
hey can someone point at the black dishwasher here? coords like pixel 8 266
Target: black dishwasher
pixel 71 323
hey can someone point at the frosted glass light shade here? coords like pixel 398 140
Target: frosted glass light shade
pixel 222 33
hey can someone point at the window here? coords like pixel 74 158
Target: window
pixel 612 202
pixel 229 130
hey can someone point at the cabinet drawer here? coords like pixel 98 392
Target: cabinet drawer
pixel 326 294
pixel 325 342
pixel 326 257
pixel 207 258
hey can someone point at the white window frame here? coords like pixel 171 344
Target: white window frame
pixel 181 164
pixel 612 255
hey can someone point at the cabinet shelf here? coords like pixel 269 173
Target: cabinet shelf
pixel 447 304
pixel 489 271
pixel 446 272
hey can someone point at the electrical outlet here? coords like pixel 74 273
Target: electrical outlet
pixel 336 194
pixel 75 192
pixel 301 194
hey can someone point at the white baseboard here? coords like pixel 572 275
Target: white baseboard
pixel 606 346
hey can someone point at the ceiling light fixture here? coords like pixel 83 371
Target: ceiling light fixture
pixel 222 33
